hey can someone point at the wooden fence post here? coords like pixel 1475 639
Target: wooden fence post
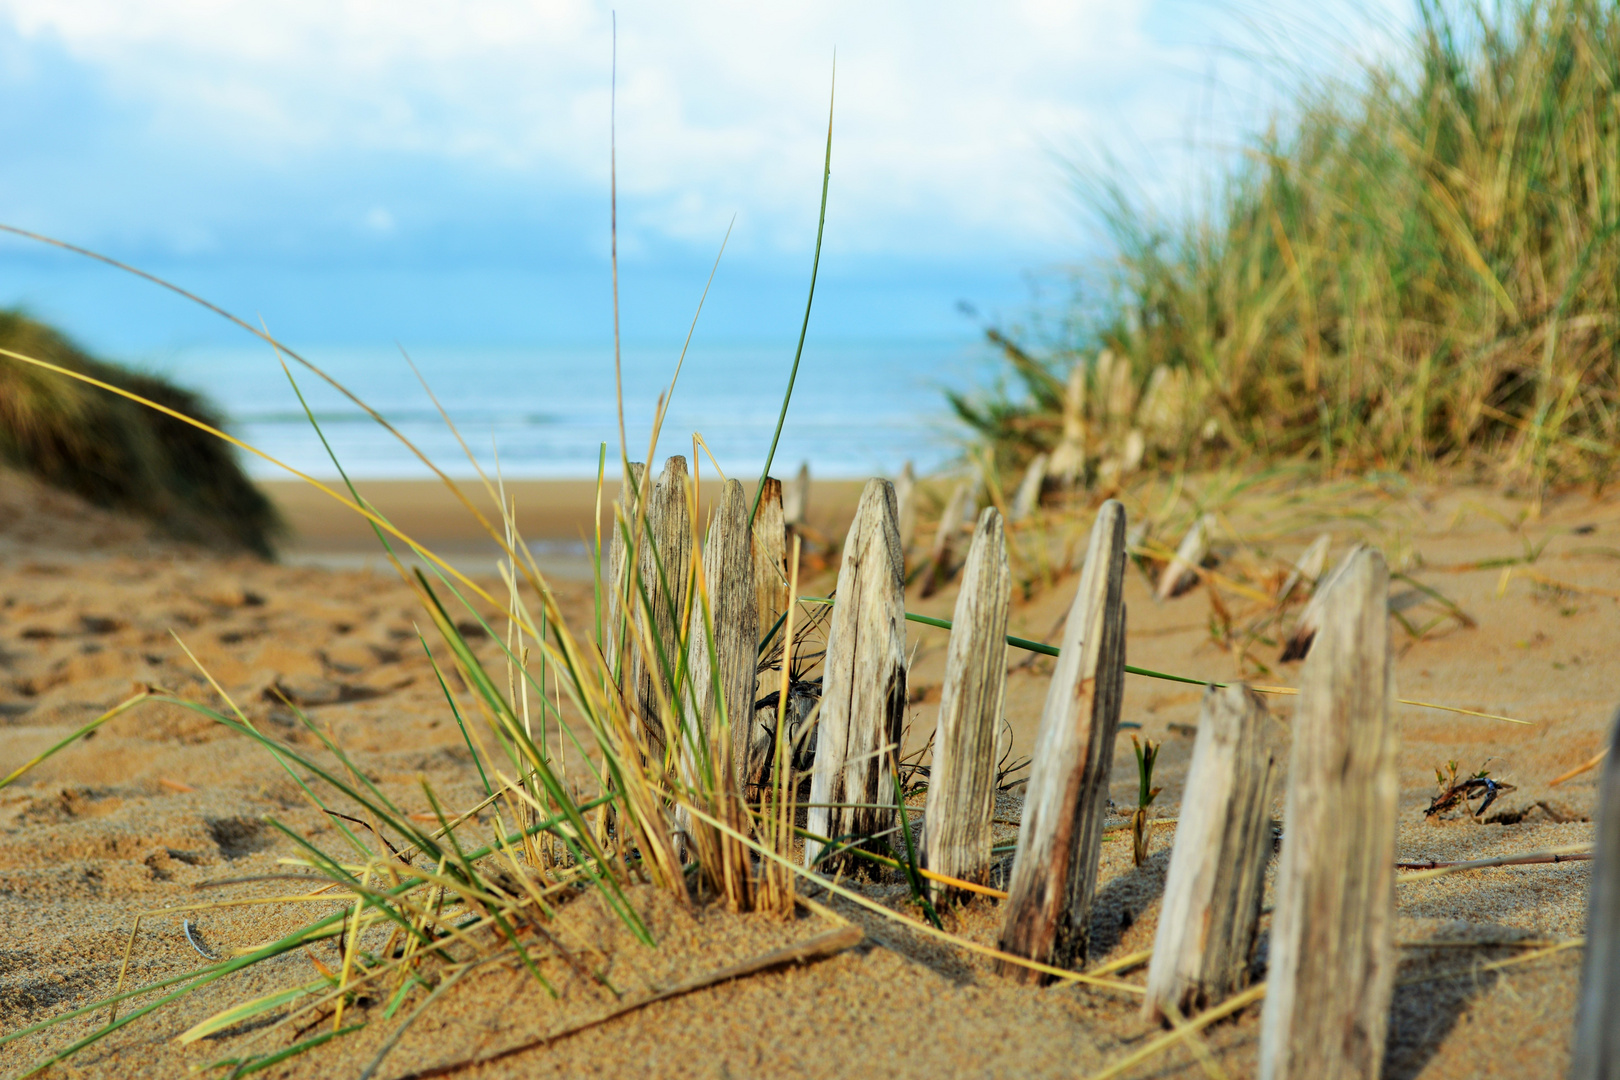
pixel 1182 573
pixel 863 687
pixel 905 495
pixel 1597 1023
pixel 961 785
pixel 1209 920
pixel 728 578
pixel 771 589
pixel 951 518
pixel 665 567
pixel 796 498
pixel 1298 643
pixel 1055 868
pixel 1332 955
pixel 722 670
pixel 1028 499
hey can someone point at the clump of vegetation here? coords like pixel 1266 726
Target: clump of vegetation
pixel 119 454
pixel 1146 757
pixel 1416 269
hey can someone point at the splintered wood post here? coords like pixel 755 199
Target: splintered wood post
pixel 1182 573
pixel 664 567
pixel 1028 499
pixel 796 498
pixel 961 785
pixel 1060 837
pixel 950 522
pixel 1332 955
pixel 1210 918
pixel 905 494
pixel 1597 1023
pixel 863 686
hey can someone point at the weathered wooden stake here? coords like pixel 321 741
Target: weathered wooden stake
pixel 771 589
pixel 1211 912
pixel 1055 868
pixel 1308 568
pixel 905 495
pixel 796 498
pixel 665 565
pixel 1332 954
pixel 728 576
pixel 1182 573
pixel 1298 643
pixel 1028 499
pixel 863 689
pixel 1597 1023
pixel 950 523
pixel 961 785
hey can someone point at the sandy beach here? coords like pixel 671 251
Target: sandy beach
pixel 162 806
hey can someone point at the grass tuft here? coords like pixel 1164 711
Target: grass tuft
pixel 119 455
pixel 1412 270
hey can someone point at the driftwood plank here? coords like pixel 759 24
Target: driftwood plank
pixel 1332 955
pixel 1597 1024
pixel 1182 573
pixel 863 691
pixel 1055 867
pixel 1211 912
pixel 664 566
pixel 961 784
pixel 1028 499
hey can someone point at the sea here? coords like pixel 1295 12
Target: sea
pixel 858 408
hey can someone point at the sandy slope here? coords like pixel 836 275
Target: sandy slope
pixel 161 800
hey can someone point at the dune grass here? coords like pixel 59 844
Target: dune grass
pixel 1418 269
pixel 118 454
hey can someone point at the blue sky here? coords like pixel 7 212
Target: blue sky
pixel 361 171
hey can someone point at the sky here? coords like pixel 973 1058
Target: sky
pixel 363 172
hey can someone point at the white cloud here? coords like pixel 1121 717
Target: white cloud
pixel 947 112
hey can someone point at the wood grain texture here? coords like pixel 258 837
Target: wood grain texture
pixel 961 784
pixel 1055 867
pixel 664 567
pixel 723 660
pixel 1332 953
pixel 1597 1023
pixel 863 690
pixel 1210 917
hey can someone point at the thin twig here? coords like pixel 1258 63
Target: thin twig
pixel 1567 853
